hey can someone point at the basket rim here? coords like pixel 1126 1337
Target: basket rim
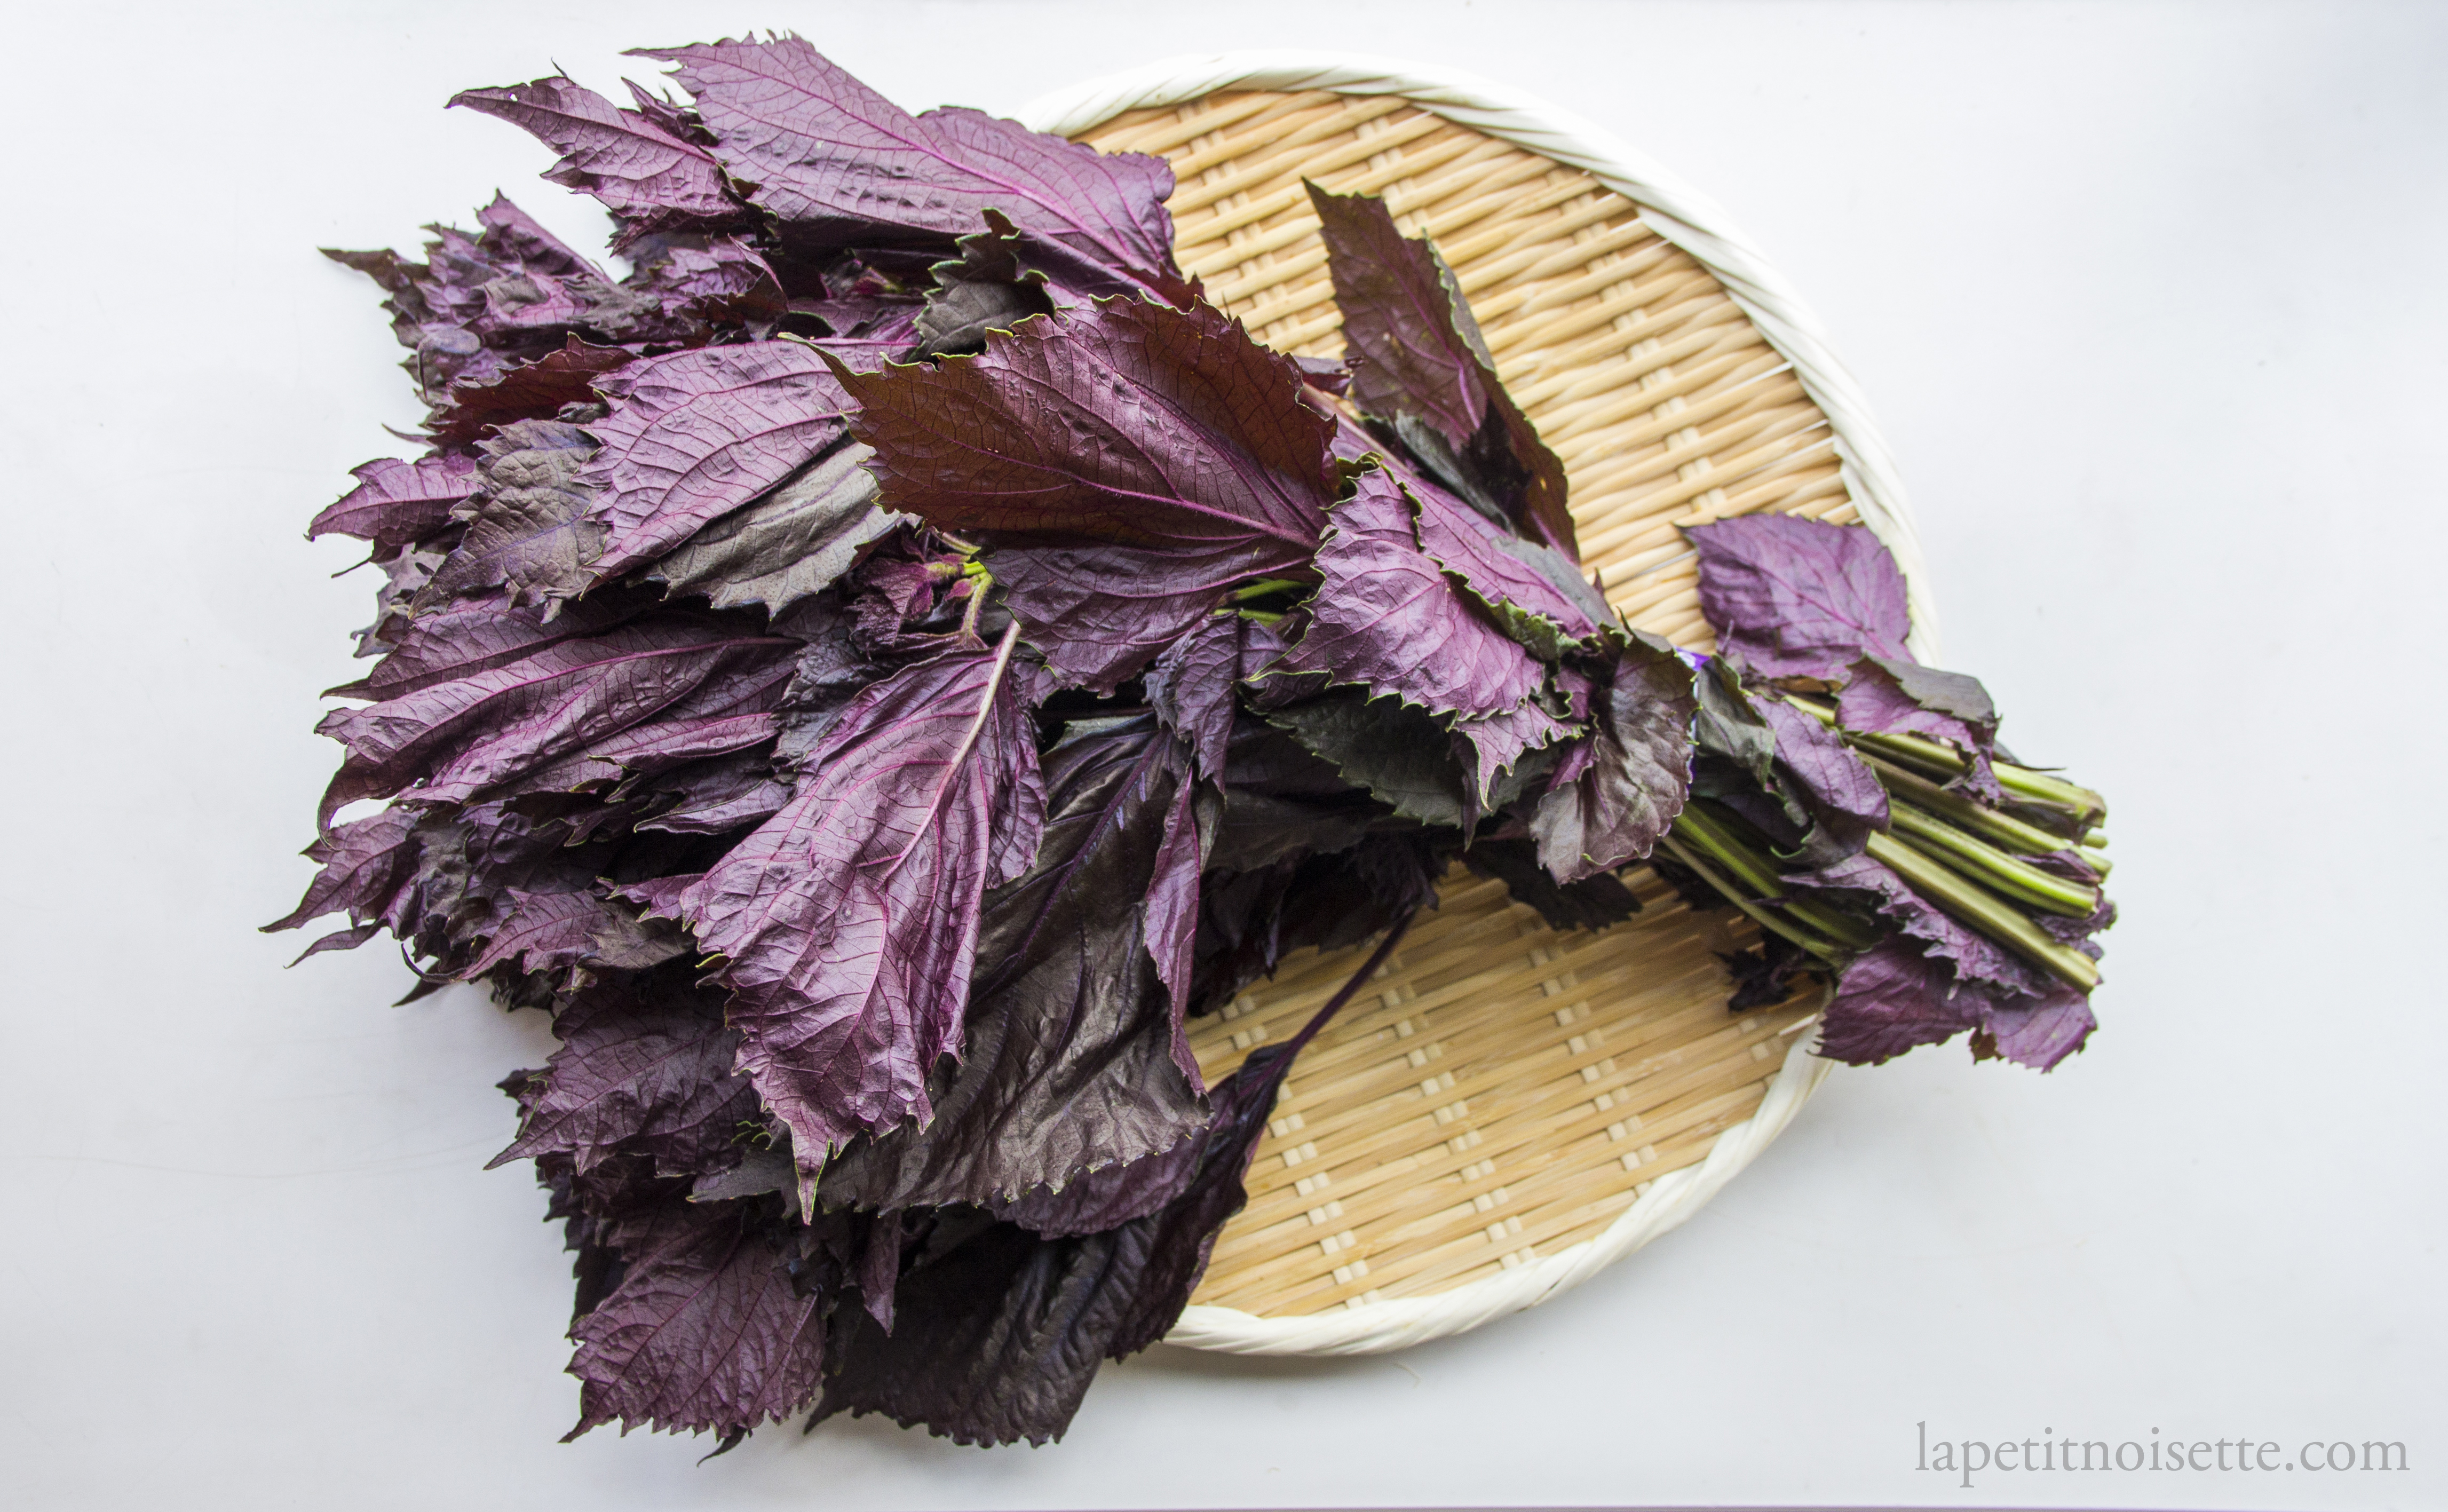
pixel 1700 227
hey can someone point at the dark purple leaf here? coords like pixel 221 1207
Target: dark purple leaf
pixel 695 435
pixel 1387 617
pixel 1419 361
pixel 1639 770
pixel 454 740
pixel 849 921
pixel 1798 598
pixel 550 932
pixel 700 283
pixel 1397 751
pixel 1974 956
pixel 1890 999
pixel 1535 593
pixel 794 543
pixel 705 1332
pixel 530 532
pixel 366 864
pixel 525 391
pixel 1000 1330
pixel 1127 464
pixel 1592 903
pixel 1833 779
pixel 1492 749
pixel 2036 1030
pixel 637 169
pixel 644 1067
pixel 837 162
pixel 397 502
pixel 1070 1060
pixel 475 635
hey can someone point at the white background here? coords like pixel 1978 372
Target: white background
pixel 2148 300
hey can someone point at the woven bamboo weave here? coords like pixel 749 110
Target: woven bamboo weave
pixel 1501 1092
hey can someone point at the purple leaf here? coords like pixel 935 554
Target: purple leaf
pixel 1171 906
pixel 1191 685
pixel 695 435
pixel 1000 1330
pixel 1072 1041
pixel 1535 593
pixel 476 635
pixel 849 921
pixel 837 162
pixel 645 1067
pixel 397 502
pixel 530 532
pixel 454 740
pixel 366 864
pixel 1593 903
pixel 524 390
pixel 1832 778
pixel 1493 747
pixel 1797 597
pixel 1639 769
pixel 546 932
pixel 704 1333
pixel 1127 464
pixel 1973 955
pixel 1887 697
pixel 1419 361
pixel 1890 999
pixel 637 169
pixel 1387 617
pixel 796 541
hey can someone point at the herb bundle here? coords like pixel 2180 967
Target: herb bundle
pixel 874 670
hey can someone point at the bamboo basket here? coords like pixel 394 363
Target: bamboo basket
pixel 1506 1109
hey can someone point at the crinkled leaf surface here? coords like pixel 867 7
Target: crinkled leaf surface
pixel 1069 1063
pixel 1127 464
pixel 645 1066
pixel 1386 617
pixel 453 739
pixel 397 502
pixel 1000 1330
pixel 531 532
pixel 849 921
pixel 1397 751
pixel 1833 780
pixel 696 434
pixel 1416 355
pixel 1638 772
pixel 525 389
pixel 1800 597
pixel 637 169
pixel 705 1332
pixel 794 541
pixel 838 162
pixel 1535 593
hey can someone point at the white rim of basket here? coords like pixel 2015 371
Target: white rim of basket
pixel 1691 220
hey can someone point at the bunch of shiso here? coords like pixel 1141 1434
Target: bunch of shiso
pixel 873 670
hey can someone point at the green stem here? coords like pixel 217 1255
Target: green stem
pixel 1751 870
pixel 1990 866
pixel 1983 911
pixel 1939 758
pixel 1700 828
pixel 1765 919
pixel 2002 829
pixel 1260 589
